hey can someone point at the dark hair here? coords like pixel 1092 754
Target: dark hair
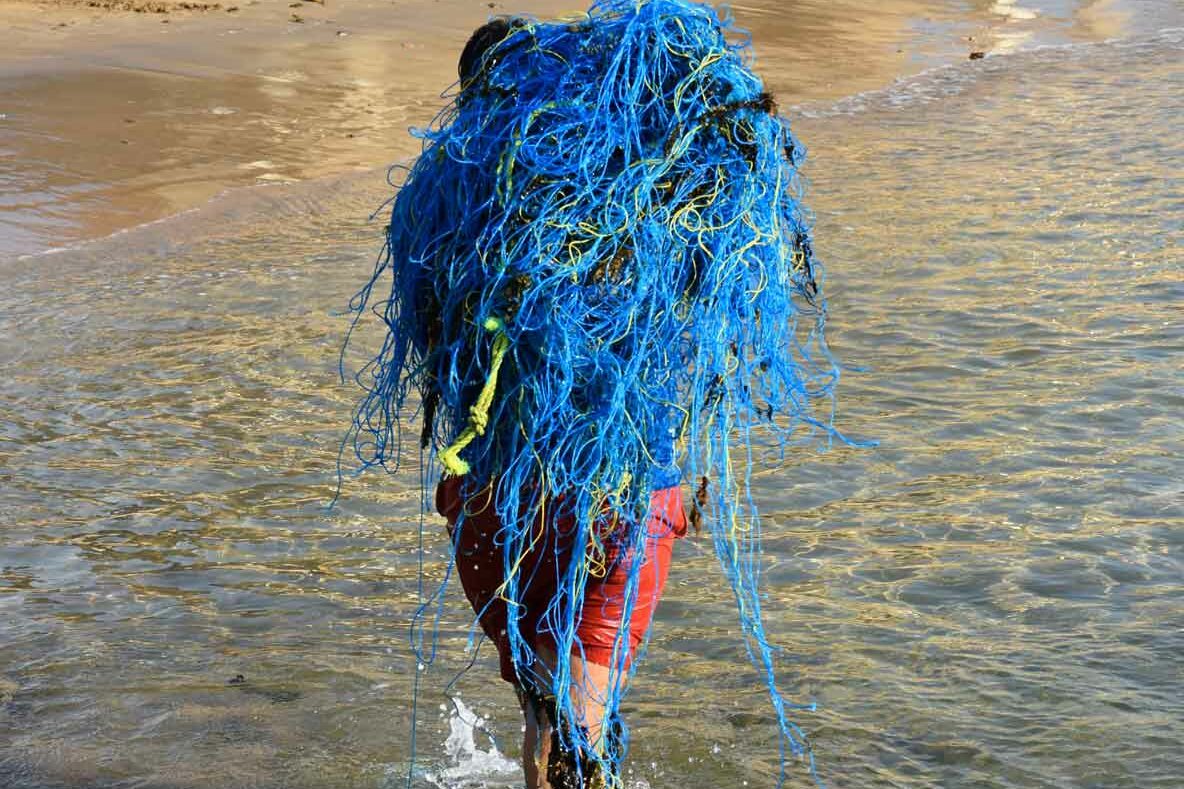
pixel 485 37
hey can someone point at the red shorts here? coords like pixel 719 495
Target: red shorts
pixel 479 563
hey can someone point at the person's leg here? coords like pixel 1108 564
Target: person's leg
pixel 545 764
pixel 479 565
pixel 599 634
pixel 588 691
pixel 536 742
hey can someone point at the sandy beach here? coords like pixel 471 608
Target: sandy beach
pixel 114 113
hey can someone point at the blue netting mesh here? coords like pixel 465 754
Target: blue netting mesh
pixel 601 271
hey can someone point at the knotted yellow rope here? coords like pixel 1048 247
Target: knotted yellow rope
pixel 479 413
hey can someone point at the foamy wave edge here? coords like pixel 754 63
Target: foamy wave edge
pixel 950 79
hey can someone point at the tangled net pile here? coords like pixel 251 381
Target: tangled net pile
pixel 601 271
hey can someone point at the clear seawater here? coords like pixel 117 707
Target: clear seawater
pixel 993 597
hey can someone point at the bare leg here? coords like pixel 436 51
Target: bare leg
pixel 536 743
pixel 589 689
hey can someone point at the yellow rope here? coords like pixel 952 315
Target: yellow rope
pixel 479 413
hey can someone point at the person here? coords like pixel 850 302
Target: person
pixel 601 275
pixel 608 598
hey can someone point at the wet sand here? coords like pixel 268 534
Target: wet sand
pixel 114 113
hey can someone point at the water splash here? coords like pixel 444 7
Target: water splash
pixel 469 766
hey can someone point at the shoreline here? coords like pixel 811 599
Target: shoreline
pixel 112 118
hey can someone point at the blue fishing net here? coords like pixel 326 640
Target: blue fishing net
pixel 601 277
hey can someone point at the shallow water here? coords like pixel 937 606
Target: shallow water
pixel 990 598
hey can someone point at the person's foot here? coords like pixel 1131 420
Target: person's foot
pixel 566 767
